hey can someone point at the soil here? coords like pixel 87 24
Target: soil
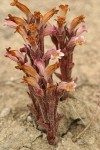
pixel 17 128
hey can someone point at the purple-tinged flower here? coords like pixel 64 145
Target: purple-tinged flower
pixel 10 23
pixel 22 7
pixel 48 71
pixel 15 55
pixel 50 30
pixel 76 40
pixel 68 86
pixel 81 29
pixel 79 40
pixel 28 70
pixel 41 66
pixel 76 21
pixel 31 81
pixel 53 54
pixel 57 55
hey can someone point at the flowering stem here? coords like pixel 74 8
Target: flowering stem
pixel 66 65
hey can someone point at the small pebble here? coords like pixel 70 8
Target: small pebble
pixel 31 135
pixel 44 135
pixel 5 112
pixel 29 119
pixel 69 135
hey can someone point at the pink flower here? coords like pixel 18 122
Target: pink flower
pixel 10 23
pixel 46 72
pixel 81 29
pixel 53 54
pixel 15 55
pixel 57 54
pixel 68 86
pixel 41 66
pixel 76 40
pixel 50 30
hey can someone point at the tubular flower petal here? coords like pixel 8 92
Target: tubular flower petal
pixel 53 54
pixel 50 69
pixel 77 40
pixel 22 32
pixel 15 55
pixel 48 54
pixel 31 81
pixel 32 41
pixel 9 23
pixel 37 15
pixel 67 86
pixel 50 30
pixel 28 70
pixel 22 7
pixel 64 9
pixel 17 20
pixel 76 21
pixel 49 14
pixel 32 28
pixel 41 66
pixel 60 21
pixel 81 29
pixel 58 54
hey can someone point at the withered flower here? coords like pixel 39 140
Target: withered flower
pixel 61 19
pixel 49 14
pixel 37 15
pixel 31 81
pixel 50 69
pixel 64 9
pixel 22 7
pixel 32 41
pixel 32 28
pixel 15 55
pixel 17 20
pixel 22 32
pixel 76 21
pixel 29 70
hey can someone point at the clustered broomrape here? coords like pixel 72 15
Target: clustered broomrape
pixel 35 62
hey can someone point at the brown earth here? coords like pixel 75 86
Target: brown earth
pixel 17 128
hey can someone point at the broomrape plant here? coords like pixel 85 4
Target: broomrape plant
pixel 35 62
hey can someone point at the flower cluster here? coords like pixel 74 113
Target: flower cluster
pixel 35 62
